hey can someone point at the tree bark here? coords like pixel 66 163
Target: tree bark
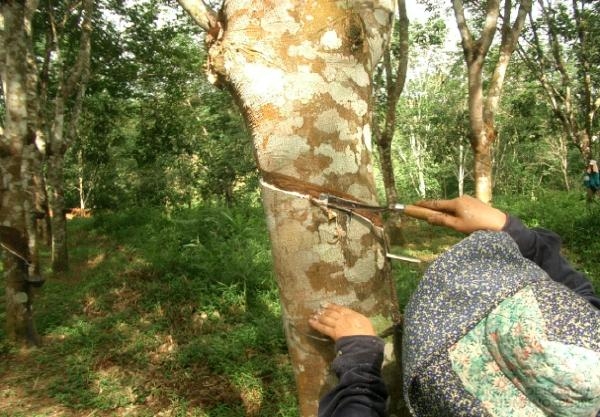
pixel 16 215
pixel 383 137
pixel 58 220
pixel 394 85
pixel 482 110
pixel 475 52
pixel 72 86
pixel 302 75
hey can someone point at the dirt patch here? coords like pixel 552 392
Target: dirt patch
pixel 149 391
pixel 198 385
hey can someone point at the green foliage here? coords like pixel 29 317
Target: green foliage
pixel 154 132
pixel 432 129
pixel 431 33
pixel 567 214
pixel 561 44
pixel 221 247
pixel 174 312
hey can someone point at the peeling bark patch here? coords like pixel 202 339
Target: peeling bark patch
pixel 278 19
pixel 305 50
pixel 363 270
pixel 359 232
pixel 358 74
pixel 380 259
pixel 273 86
pixel 270 113
pixel 328 248
pixel 360 191
pixel 279 151
pixel 306 165
pixel 367 137
pixel 261 84
pixel 329 121
pixel 323 275
pixel 342 162
pixel 330 40
pixel 347 97
pixel 265 82
pixel 383 16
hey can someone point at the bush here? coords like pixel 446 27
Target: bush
pixel 568 215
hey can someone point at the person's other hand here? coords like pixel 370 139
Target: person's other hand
pixel 464 214
pixel 336 321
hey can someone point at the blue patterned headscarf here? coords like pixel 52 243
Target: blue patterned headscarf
pixel 488 333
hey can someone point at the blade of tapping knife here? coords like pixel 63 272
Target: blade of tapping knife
pixel 403 258
pixel 342 202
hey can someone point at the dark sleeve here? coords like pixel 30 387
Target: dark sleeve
pixel 595 180
pixel 543 247
pixel 360 391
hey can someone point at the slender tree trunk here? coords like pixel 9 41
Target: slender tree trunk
pixel 15 192
pixel 417 148
pixel 72 86
pixel 55 181
pixel 461 170
pixel 80 184
pixel 394 85
pixel 479 138
pixel 482 111
pixel 387 172
pixel 302 74
pixel 32 157
pixel 475 52
pixel 483 173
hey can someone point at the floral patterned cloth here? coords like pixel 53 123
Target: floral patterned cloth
pixel 450 371
pixel 508 363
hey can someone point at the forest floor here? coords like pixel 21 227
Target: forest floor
pixel 128 331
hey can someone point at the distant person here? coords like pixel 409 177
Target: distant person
pixel 500 325
pixel 591 179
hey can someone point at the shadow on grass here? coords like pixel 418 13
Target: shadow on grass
pixel 158 316
pixel 424 242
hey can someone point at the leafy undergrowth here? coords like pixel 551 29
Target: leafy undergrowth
pixel 159 316
pixel 178 315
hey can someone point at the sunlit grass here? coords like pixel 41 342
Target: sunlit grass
pixel 157 315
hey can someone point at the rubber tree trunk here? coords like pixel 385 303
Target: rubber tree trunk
pixel 16 206
pixel 482 109
pixel 55 181
pixel 302 74
pixel 68 103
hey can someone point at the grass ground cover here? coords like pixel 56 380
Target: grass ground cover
pixel 177 314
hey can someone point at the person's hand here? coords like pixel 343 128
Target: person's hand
pixel 336 321
pixel 464 214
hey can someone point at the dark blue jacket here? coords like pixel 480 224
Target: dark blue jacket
pixel 361 391
pixel 592 180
